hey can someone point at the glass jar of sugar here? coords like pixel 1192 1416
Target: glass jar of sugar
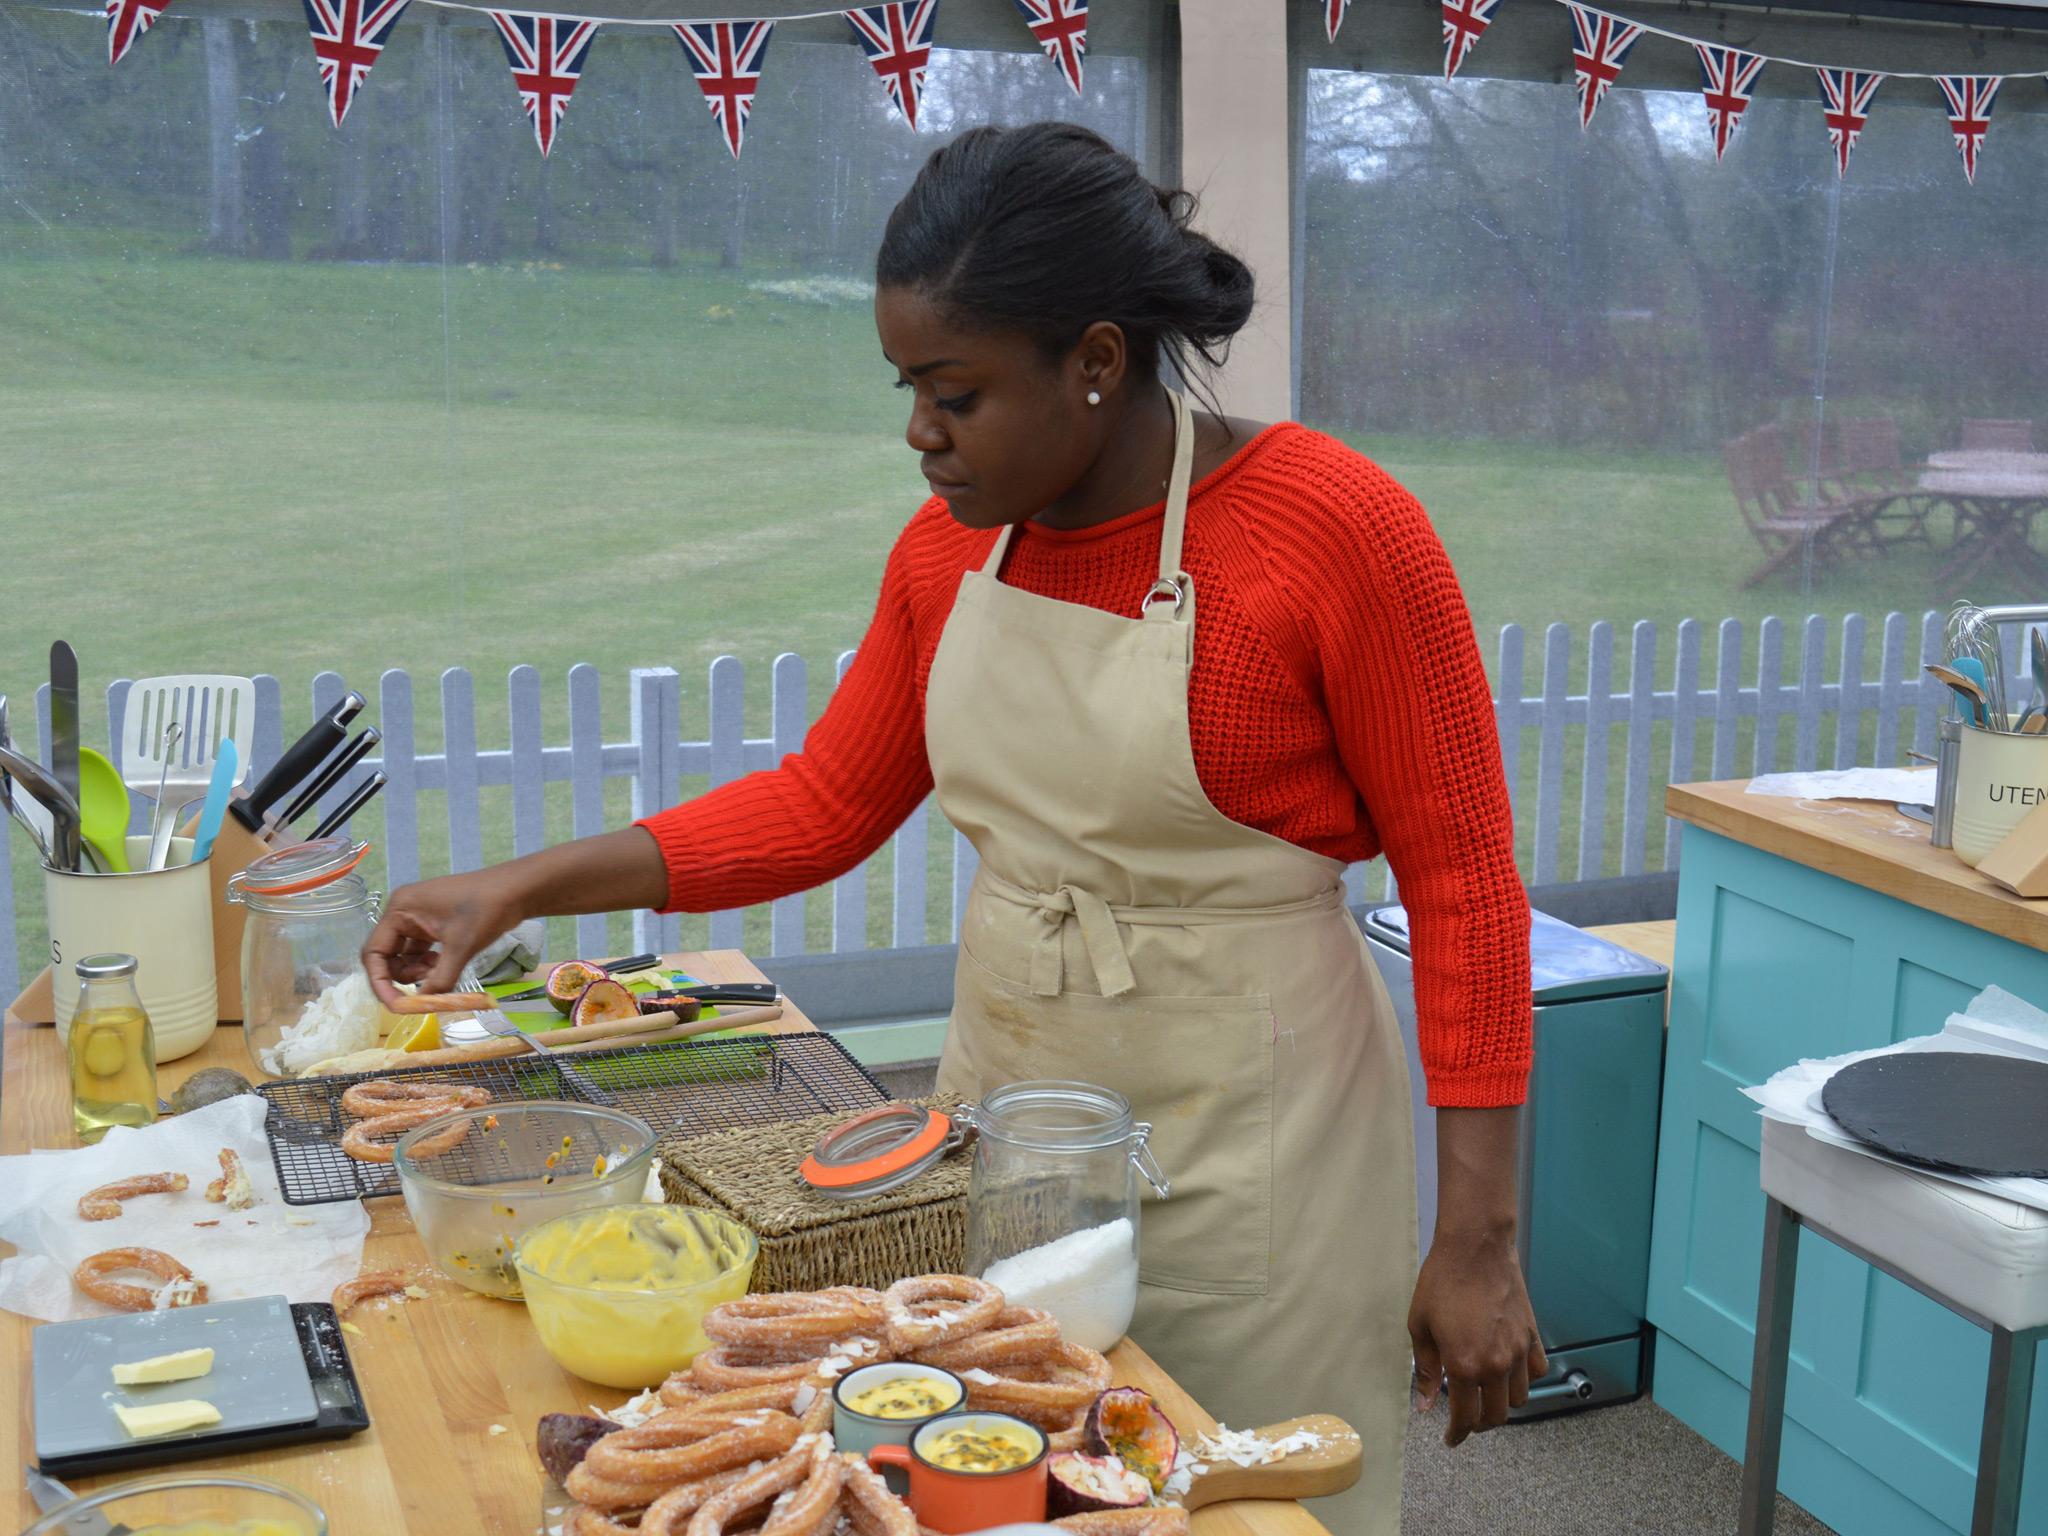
pixel 1052 1209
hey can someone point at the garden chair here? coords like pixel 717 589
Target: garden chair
pixel 2000 436
pixel 1790 492
pixel 1871 463
pixel 1781 536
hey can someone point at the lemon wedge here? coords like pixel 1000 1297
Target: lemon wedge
pixel 416 1034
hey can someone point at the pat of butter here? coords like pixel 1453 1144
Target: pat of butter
pixel 182 1366
pixel 166 1418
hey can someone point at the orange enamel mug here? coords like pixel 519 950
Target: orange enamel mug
pixel 951 1499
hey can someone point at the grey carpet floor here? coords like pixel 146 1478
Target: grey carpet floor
pixel 1631 1470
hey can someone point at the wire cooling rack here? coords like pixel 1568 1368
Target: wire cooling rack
pixel 691 1086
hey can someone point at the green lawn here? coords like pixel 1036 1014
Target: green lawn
pixel 241 467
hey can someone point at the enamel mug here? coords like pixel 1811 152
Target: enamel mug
pixel 950 1501
pixel 859 1433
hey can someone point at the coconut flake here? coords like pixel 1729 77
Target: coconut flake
pixel 805 1396
pixel 173 1293
pixel 634 1411
pixel 980 1377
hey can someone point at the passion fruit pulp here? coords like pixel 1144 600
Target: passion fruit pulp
pixel 1076 1484
pixel 683 1006
pixel 1125 1423
pixel 603 1001
pixel 566 983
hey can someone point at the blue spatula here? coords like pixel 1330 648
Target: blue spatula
pixel 227 767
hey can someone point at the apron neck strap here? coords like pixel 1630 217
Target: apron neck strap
pixel 1171 577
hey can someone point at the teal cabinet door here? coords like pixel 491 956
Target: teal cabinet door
pixel 1776 962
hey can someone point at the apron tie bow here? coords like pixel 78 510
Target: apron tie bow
pixel 1105 945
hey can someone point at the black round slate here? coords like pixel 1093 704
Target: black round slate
pixel 1955 1111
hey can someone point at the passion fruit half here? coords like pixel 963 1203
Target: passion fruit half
pixel 1076 1484
pixel 1125 1423
pixel 682 1005
pixel 564 1439
pixel 566 982
pixel 603 1001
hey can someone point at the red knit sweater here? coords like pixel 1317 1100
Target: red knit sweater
pixel 1336 700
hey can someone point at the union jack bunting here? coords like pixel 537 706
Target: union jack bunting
pixel 1846 93
pixel 726 58
pixel 1333 15
pixel 1969 114
pixel 1464 21
pixel 546 54
pixel 1061 27
pixel 347 37
pixel 1600 46
pixel 897 39
pixel 1727 79
pixel 127 20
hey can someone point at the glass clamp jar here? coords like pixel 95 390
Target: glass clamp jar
pixel 1052 1207
pixel 308 915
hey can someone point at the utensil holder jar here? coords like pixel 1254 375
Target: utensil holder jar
pixel 2000 778
pixel 163 917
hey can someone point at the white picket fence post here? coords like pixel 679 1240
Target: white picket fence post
pixel 1617 825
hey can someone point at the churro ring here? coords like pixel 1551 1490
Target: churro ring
pixel 382 1096
pixel 929 1310
pixel 104 1203
pixel 378 1282
pixel 372 1140
pixel 1049 1393
pixel 678 1447
pixel 670 1513
pixel 582 1520
pixel 1018 1336
pixel 682 1395
pixel 232 1188
pixel 727 1369
pixel 868 1507
pixel 800 1488
pixel 95 1277
pixel 794 1324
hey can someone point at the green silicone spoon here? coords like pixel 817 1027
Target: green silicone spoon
pixel 103 808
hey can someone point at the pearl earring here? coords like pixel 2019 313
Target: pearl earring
pixel 1094 397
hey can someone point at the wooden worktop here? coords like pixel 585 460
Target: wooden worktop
pixel 454 1383
pixel 1867 843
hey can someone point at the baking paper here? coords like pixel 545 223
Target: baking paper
pixel 301 1252
pixel 1894 786
pixel 1995 1023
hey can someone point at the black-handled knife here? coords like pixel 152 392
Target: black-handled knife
pixel 331 775
pixel 753 993
pixel 300 759
pixel 623 967
pixel 338 818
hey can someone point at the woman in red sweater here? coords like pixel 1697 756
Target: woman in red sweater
pixel 1170 673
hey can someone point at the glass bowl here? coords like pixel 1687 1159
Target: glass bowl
pixel 187 1506
pixel 519 1165
pixel 618 1297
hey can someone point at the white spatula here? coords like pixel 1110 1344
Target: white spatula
pixel 209 709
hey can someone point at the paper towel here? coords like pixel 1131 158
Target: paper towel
pixel 1894 786
pixel 300 1252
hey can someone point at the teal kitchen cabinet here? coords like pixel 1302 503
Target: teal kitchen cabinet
pixel 1810 930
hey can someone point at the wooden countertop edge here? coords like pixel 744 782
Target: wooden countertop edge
pixel 1862 842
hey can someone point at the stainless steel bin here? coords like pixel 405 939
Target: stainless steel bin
pixel 1589 1151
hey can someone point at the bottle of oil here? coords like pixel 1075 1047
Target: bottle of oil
pixel 113 1050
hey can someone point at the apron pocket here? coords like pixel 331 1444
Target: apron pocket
pixel 1200 1069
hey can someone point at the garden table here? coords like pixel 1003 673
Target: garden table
pixel 455 1382
pixel 1996 493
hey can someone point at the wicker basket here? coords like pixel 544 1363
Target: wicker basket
pixel 807 1241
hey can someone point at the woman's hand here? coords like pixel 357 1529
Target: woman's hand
pixel 431 930
pixel 1471 1324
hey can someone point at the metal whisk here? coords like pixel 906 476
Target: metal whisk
pixel 1973 633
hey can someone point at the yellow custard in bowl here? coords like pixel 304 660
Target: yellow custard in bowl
pixel 258 1526
pixel 618 1294
pixel 981 1445
pixel 906 1397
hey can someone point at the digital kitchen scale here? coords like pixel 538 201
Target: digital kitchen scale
pixel 281 1375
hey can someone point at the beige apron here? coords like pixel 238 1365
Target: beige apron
pixel 1123 931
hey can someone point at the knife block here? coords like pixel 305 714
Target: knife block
pixel 2020 862
pixel 235 848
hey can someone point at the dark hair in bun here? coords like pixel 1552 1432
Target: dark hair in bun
pixel 1049 228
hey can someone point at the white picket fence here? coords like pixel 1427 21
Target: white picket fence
pixel 1674 733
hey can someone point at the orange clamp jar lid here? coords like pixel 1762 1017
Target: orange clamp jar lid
pixel 880 1150
pixel 299 868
